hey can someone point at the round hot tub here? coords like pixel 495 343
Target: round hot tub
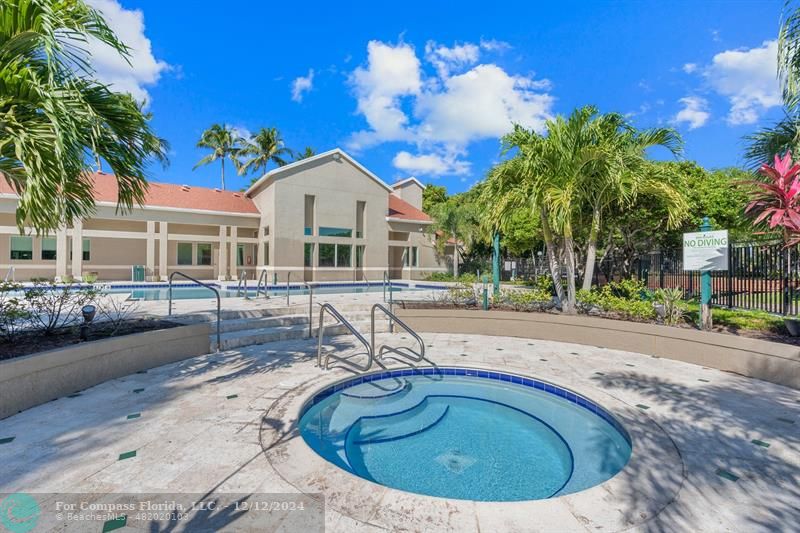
pixel 465 434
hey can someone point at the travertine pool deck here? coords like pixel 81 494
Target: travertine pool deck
pixel 712 451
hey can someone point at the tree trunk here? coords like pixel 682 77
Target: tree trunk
pixel 552 259
pixel 591 250
pixel 569 307
pixel 223 173
pixel 455 260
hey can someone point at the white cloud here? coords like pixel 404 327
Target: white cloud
pixel 747 78
pixel 445 59
pixel 302 85
pixel 111 68
pixel 690 68
pixel 441 113
pixel 481 103
pixel 430 164
pixel 391 72
pixel 493 45
pixel 694 113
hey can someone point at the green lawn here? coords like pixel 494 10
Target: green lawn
pixel 740 319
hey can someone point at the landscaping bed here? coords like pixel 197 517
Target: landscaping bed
pixel 26 343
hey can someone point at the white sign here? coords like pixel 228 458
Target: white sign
pixel 705 250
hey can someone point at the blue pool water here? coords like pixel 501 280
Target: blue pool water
pixel 184 292
pixel 485 436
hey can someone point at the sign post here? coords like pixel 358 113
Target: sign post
pixel 705 251
pixel 496 262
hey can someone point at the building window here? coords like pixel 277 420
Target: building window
pixel 308 254
pixel 335 232
pixel 21 248
pixel 414 256
pixel 48 248
pixel 239 254
pixel 266 231
pixel 204 254
pixel 327 255
pixel 86 247
pixel 184 253
pixel 310 207
pixel 360 256
pixel 361 209
pixel 343 255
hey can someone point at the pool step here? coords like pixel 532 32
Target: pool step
pixel 294 328
pixel 395 426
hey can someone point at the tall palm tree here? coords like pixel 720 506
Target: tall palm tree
pixel 619 170
pixel 457 221
pixel 305 154
pixel 263 148
pixel 768 142
pixel 224 143
pixel 57 121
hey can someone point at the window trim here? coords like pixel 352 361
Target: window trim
pixel 11 248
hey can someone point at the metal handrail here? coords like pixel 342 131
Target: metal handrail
pixel 310 287
pixel 242 282
pixel 207 286
pixel 416 356
pixel 259 290
pixel 288 277
pixel 328 308
pixel 11 272
pixel 386 281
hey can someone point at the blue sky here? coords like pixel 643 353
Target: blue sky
pixel 426 88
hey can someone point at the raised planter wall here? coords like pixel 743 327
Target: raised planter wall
pixel 770 361
pixel 35 379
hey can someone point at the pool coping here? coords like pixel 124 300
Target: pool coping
pixel 655 471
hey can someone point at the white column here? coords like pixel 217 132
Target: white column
pixel 163 237
pixel 222 261
pixel 150 266
pixel 61 253
pixel 234 253
pixel 77 249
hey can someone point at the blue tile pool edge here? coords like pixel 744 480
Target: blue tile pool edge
pixel 564 394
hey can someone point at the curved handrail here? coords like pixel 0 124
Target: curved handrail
pixel 328 308
pixel 242 281
pixel 288 277
pixel 207 286
pixel 259 290
pixel 416 356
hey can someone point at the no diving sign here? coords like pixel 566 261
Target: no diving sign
pixel 705 250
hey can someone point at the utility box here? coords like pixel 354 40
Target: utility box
pixel 137 273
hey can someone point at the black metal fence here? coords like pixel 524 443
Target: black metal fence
pixel 759 276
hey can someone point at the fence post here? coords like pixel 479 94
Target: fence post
pixel 705 288
pixel 786 260
pixel 730 275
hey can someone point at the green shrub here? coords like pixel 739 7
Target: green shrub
pixel 525 298
pixel 624 297
pixel 55 306
pixel 90 277
pixel 675 309
pixel 439 276
pixel 468 277
pixel 13 311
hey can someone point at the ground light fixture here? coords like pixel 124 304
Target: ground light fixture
pixel 88 312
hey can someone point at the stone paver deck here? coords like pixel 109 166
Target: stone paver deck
pixel 213 423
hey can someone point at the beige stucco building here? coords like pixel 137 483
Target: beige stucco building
pixel 325 218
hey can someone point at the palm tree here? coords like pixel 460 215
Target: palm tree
pixel 305 154
pixel 263 148
pixel 457 221
pixel 58 121
pixel 771 141
pixel 789 56
pixel 224 143
pixel 619 170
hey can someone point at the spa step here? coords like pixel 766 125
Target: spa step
pixel 262 335
pixel 396 426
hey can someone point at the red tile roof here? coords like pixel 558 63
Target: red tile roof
pixel 170 195
pixel 400 209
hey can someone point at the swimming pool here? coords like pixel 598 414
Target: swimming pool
pixel 465 434
pixel 195 292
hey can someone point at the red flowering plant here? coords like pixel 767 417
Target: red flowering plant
pixel 776 201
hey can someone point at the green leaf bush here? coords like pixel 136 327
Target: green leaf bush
pixel 628 298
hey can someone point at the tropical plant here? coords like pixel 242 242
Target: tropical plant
pixel 224 143
pixel 433 195
pixel 53 306
pixel 263 148
pixel 775 202
pixel 57 120
pixel 789 56
pixel 780 138
pixel 456 223
pixel 13 312
pixel 675 309
pixel 305 154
